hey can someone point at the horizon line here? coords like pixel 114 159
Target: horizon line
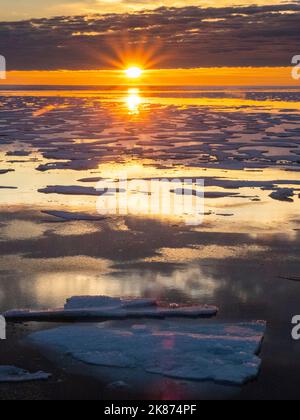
pixel 201 76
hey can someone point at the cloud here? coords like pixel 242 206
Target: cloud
pixel 26 9
pixel 183 37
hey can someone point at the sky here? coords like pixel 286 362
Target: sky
pixel 162 34
pixel 222 76
pixel 27 9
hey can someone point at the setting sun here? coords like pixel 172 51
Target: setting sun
pixel 134 72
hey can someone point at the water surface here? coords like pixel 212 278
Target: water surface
pixel 243 142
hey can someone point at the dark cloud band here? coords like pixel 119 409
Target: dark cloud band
pixel 174 37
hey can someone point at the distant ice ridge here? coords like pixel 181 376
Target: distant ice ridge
pixel 15 374
pixel 81 308
pixel 223 353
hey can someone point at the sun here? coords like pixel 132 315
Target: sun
pixel 134 72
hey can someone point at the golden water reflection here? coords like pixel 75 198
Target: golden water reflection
pixel 133 101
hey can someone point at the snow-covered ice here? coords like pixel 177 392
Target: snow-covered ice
pixel 223 353
pixel 15 374
pixel 84 308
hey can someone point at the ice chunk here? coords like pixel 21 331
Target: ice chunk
pixel 283 194
pixel 209 194
pixel 15 374
pixel 5 171
pixel 223 353
pixel 76 165
pixel 71 216
pixel 91 180
pixel 85 302
pixel 69 190
pixel 77 190
pixel 8 188
pixel 84 308
pixel 118 386
pixel 21 153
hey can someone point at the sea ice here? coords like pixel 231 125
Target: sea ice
pixel 76 165
pixel 20 153
pixel 84 308
pixel 283 194
pixel 77 190
pixel 208 194
pixel 5 171
pixel 71 216
pixel 118 386
pixel 91 180
pixel 228 140
pixel 15 374
pixel 223 353
pixel 69 190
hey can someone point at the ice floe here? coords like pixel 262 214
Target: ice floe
pixel 15 374
pixel 206 136
pixel 283 194
pixel 76 165
pixel 223 353
pixel 118 386
pixel 91 180
pixel 84 308
pixel 69 190
pixel 20 153
pixel 71 216
pixel 5 171
pixel 77 190
pixel 207 194
pixel 8 188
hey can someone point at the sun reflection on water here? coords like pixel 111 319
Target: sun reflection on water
pixel 133 101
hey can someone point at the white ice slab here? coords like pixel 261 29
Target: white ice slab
pixel 82 308
pixel 15 374
pixel 223 353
